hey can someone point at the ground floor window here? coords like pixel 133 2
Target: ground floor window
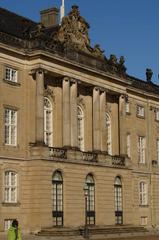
pixel 90 206
pixel 57 182
pixel 118 201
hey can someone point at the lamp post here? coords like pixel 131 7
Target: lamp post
pixel 86 230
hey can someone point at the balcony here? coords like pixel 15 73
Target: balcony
pixel 95 158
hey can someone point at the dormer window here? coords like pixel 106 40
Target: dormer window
pixel 11 74
pixel 140 111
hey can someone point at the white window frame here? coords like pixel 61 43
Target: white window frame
pixel 10 122
pixel 141 149
pixel 7 224
pixel 48 122
pixel 143 193
pixel 157 150
pixel 109 134
pixel 10 187
pixel 80 127
pixel 140 111
pixel 11 74
pixel 128 144
pixel 157 114
pixel 127 107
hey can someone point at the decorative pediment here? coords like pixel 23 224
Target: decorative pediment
pixel 73 32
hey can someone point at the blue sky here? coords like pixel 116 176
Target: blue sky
pixel 121 27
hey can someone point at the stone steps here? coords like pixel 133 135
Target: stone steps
pixel 62 232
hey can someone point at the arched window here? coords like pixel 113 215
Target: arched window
pixel 80 128
pixel 57 182
pixel 108 127
pixel 10 187
pixel 118 201
pixel 90 206
pixel 143 193
pixel 48 128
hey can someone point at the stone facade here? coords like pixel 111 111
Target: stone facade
pixel 72 75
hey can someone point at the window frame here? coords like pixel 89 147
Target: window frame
pixel 80 127
pixel 141 149
pixel 12 75
pixel 128 144
pixel 109 133
pixel 140 111
pixel 8 199
pixel 143 193
pixel 157 115
pixel 10 129
pixel 48 118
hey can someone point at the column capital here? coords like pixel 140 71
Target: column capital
pixel 38 70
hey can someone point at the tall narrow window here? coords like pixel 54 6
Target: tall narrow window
pixel 141 149
pixel 118 201
pixel 48 128
pixel 90 208
pixel 143 194
pixel 127 107
pixel 57 182
pixel 10 187
pixel 10 127
pixel 128 144
pixel 80 128
pixel 108 127
pixel 157 149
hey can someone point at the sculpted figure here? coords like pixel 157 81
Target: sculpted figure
pixel 149 74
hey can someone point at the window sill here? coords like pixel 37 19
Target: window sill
pixel 141 117
pixel 8 204
pixel 12 83
pixel 128 113
pixel 144 206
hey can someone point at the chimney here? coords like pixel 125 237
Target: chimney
pixel 50 17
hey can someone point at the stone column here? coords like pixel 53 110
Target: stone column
pixel 66 112
pixel 103 121
pixel 73 111
pixel 40 106
pixel 96 119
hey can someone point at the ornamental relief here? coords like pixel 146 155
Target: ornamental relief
pixel 80 102
pixel 48 92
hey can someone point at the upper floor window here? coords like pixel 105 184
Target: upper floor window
pixel 140 111
pixel 157 150
pixel 10 187
pixel 143 193
pixel 128 144
pixel 80 127
pixel 108 127
pixel 127 107
pixel 48 128
pixel 11 74
pixel 10 127
pixel 141 149
pixel 157 114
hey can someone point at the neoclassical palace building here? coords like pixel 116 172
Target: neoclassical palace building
pixel 79 137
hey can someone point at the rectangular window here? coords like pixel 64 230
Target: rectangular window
pixel 140 111
pixel 10 127
pixel 128 144
pixel 143 198
pixel 10 190
pixel 11 74
pixel 143 221
pixel 157 114
pixel 127 107
pixel 157 150
pixel 141 149
pixel 7 224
